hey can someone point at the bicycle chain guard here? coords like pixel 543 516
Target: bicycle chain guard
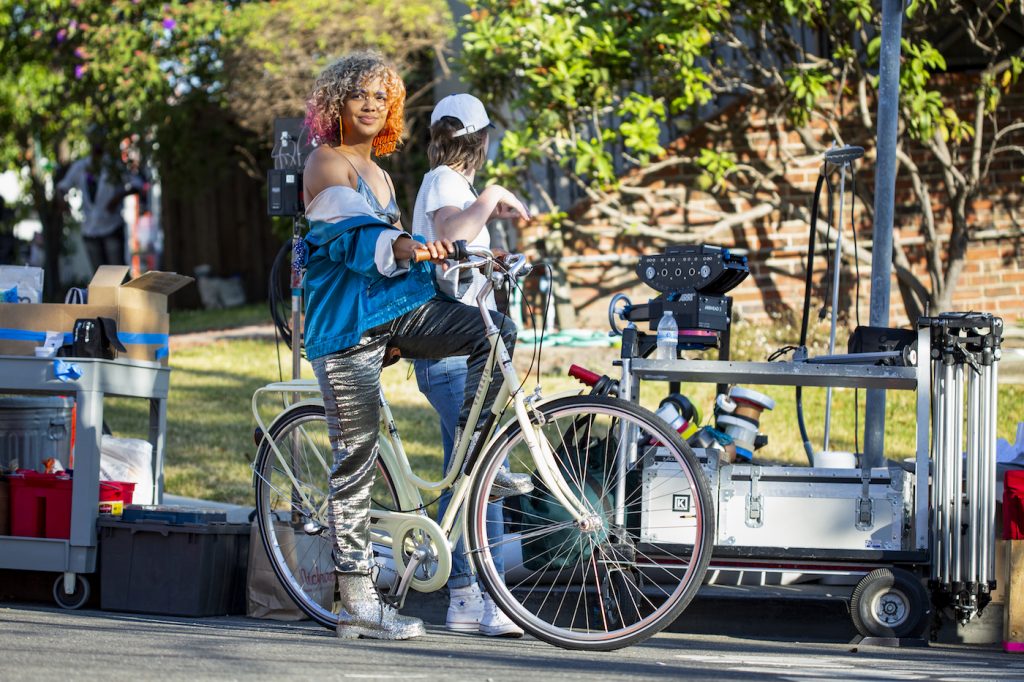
pixel 408 534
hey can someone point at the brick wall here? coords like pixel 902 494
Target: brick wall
pixel 993 280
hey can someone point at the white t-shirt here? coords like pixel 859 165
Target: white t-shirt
pixel 97 220
pixel 442 187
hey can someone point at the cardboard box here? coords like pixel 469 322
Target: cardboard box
pixel 139 307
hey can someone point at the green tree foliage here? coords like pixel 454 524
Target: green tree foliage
pixel 71 66
pixel 586 79
pixel 195 84
pixel 276 50
pixel 589 83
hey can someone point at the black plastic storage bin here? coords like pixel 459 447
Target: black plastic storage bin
pixel 193 569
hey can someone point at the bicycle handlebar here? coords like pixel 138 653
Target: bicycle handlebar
pixel 515 263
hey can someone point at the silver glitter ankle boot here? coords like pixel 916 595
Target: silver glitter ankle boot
pixel 364 614
pixel 507 484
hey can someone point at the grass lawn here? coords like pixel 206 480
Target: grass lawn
pixel 210 424
pixel 187 321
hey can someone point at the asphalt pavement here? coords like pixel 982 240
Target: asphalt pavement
pixel 43 643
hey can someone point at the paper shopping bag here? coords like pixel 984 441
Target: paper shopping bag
pixel 308 556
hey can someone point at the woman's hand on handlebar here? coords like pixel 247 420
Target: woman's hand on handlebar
pixel 409 249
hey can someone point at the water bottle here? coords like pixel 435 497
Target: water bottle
pixel 668 337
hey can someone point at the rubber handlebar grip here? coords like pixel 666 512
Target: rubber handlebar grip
pixel 458 252
pixel 584 375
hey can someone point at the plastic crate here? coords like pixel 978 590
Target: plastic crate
pixel 177 570
pixel 159 513
pixel 40 505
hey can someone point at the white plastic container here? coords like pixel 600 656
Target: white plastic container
pixel 834 459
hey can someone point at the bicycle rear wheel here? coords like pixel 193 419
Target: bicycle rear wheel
pixel 621 575
pixel 291 508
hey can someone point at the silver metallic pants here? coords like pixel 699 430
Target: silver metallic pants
pixel 350 383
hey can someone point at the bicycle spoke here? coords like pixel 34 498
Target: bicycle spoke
pixel 541 571
pixel 597 586
pixel 635 605
pixel 552 587
pixel 581 597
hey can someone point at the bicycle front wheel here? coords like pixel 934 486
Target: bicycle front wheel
pixel 291 480
pixel 637 558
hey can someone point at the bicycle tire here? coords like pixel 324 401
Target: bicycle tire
pixel 617 571
pixel 303 570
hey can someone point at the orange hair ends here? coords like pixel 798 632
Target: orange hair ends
pixel 388 138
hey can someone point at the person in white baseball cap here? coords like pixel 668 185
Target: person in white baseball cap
pixel 466 109
pixel 448 207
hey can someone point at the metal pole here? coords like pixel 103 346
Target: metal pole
pixel 938 472
pixel 835 299
pixel 925 387
pixel 985 415
pixel 948 481
pixel 296 286
pixel 296 282
pixel 956 488
pixel 988 449
pixel 885 191
pixel 975 493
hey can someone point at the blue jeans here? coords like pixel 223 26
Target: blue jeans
pixel 443 383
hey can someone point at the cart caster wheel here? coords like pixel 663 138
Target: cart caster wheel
pixel 890 603
pixel 74 600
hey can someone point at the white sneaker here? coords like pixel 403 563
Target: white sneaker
pixel 465 609
pixel 494 622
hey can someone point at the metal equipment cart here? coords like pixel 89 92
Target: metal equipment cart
pixel 77 555
pixel 892 525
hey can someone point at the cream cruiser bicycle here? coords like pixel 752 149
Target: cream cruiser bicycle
pixel 584 568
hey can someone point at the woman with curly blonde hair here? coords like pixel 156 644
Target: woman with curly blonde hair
pixel 365 293
pixel 355 113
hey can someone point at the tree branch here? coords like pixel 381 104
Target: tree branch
pixel 928 219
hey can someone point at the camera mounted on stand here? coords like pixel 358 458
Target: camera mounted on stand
pixel 292 145
pixel 693 280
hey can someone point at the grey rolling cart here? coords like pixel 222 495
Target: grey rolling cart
pixel 124 378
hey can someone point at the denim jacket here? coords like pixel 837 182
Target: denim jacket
pixel 345 293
